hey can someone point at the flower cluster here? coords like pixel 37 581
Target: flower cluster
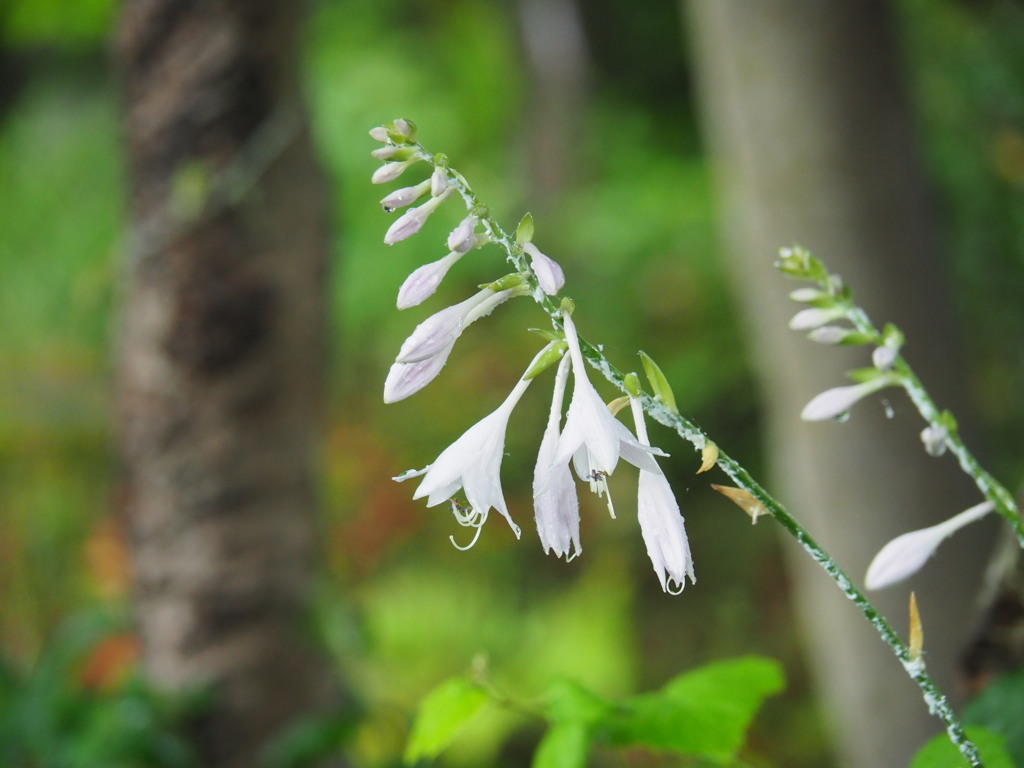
pixel 593 440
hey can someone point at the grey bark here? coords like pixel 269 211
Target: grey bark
pixel 813 142
pixel 220 361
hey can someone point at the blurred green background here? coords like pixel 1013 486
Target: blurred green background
pixel 634 228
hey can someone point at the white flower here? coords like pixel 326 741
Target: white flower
pixel 472 463
pixel 405 196
pixel 904 555
pixel 462 238
pixel 425 352
pixel 806 319
pixel 592 436
pixel 410 222
pixel 423 281
pixel 660 522
pixel 837 401
pixel 556 506
pixel 379 133
pixel 550 276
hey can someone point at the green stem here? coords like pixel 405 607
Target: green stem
pixel 990 488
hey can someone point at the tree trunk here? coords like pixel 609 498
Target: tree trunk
pixel 220 361
pixel 810 130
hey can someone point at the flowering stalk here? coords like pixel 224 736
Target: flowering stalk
pixel 832 298
pixel 540 280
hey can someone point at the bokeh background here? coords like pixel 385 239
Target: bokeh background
pixel 628 207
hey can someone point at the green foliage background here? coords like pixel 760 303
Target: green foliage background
pixel 397 605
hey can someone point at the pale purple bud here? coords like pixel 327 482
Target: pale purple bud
pixel 422 283
pixel 462 238
pixel 903 556
pixel 438 181
pixel 442 328
pixel 883 357
pixel 391 171
pixel 379 133
pixel 934 439
pixel 405 379
pixel 404 196
pixel 410 222
pixel 806 319
pixel 837 401
pixel 549 274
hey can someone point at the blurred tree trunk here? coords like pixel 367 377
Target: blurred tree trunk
pixel 555 56
pixel 810 130
pixel 221 355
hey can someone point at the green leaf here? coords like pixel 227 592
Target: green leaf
pixel 998 708
pixel 659 384
pixel 565 745
pixel 704 712
pixel 441 714
pixel 569 702
pixel 940 752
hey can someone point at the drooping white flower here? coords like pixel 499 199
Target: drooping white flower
pixel 838 400
pixel 421 284
pixel 410 222
pixel 806 319
pixel 661 524
pixel 550 276
pixel 426 351
pixel 556 506
pixel 592 436
pixel 472 463
pixel 904 555
pixel 463 237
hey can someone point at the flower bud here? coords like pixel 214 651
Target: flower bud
pixel 837 401
pixel 549 274
pixel 934 440
pixel 438 181
pixel 903 556
pixel 410 222
pixel 806 319
pixel 400 198
pixel 422 283
pixel 462 238
pixel 883 357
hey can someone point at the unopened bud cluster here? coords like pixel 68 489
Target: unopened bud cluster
pixel 591 439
